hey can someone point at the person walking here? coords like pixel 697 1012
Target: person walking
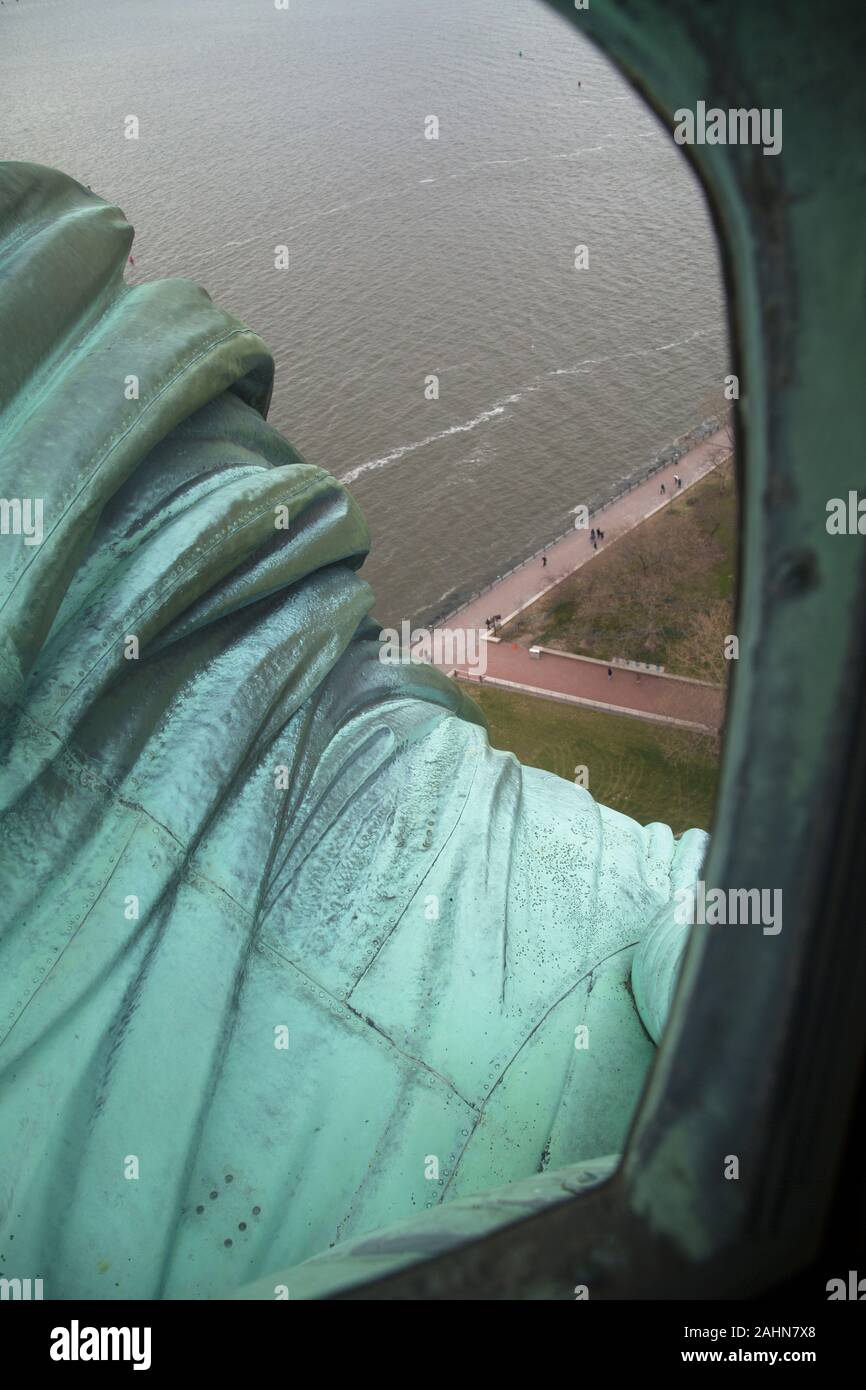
pixel 609 674
pixel 592 534
pixel 544 562
pixel 663 487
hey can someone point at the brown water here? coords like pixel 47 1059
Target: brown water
pixel 408 256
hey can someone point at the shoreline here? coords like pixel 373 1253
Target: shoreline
pixel 527 581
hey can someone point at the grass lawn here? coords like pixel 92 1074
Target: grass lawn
pixel 662 594
pixel 648 771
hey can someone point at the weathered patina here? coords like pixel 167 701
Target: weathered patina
pixel 288 951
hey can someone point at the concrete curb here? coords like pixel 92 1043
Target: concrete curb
pixel 649 675
pixel 582 700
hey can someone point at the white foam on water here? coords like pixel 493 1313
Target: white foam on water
pixel 580 368
pixel 374 465
pixel 383 197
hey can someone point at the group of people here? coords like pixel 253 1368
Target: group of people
pixel 596 534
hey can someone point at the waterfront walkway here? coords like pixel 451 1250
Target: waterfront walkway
pixel 582 680
pixel 509 596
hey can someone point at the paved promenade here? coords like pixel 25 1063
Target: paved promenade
pixel 580 680
pixel 528 582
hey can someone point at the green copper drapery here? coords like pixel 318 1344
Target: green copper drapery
pixel 279 928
